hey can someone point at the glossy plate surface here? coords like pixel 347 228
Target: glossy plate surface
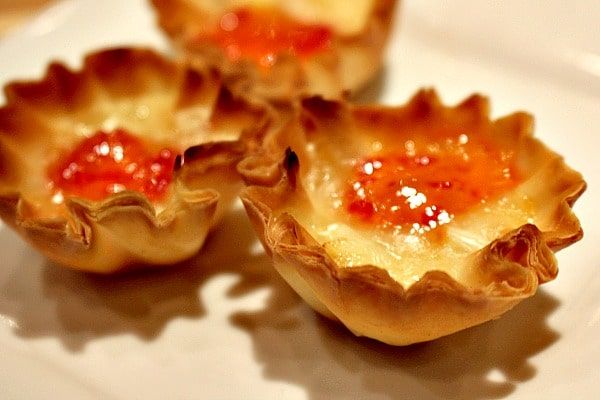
pixel 227 327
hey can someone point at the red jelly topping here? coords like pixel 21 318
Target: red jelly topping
pixel 425 186
pixel 263 35
pixel 108 163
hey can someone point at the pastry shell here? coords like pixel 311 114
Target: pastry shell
pixel 514 252
pixel 172 103
pixel 354 59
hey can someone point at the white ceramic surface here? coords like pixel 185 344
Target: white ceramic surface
pixel 228 328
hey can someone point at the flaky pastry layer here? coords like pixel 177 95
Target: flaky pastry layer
pixel 401 288
pixel 174 104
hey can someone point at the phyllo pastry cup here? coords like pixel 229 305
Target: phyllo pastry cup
pixel 282 48
pixel 410 223
pixel 92 165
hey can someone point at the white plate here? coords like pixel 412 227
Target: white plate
pixel 231 329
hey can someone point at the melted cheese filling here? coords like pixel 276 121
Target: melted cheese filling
pixel 346 18
pixel 406 256
pixel 153 115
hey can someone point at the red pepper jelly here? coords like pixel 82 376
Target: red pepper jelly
pixel 110 162
pixel 423 186
pixel 264 34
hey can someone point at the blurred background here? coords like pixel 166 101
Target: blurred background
pixel 15 12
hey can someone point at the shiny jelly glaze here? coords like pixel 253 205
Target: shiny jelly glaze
pixel 264 34
pixel 108 163
pixel 423 186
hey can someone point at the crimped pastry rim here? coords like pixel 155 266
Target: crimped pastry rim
pixel 60 237
pixel 287 241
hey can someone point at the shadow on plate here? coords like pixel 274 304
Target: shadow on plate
pixel 488 361
pixel 290 341
pixel 44 300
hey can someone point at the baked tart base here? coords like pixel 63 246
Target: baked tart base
pixel 407 285
pixel 158 101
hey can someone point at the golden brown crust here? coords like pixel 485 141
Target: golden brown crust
pixel 353 61
pixel 172 103
pixel 367 299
